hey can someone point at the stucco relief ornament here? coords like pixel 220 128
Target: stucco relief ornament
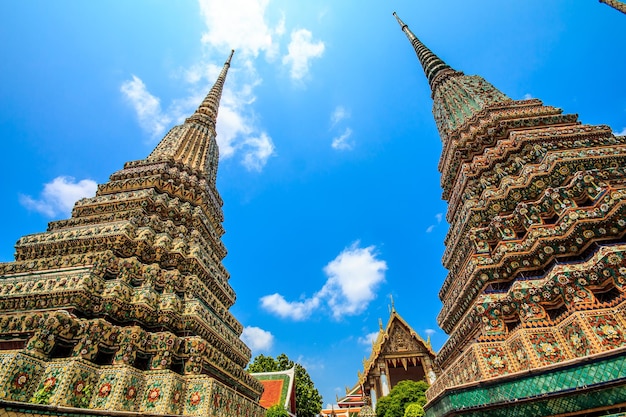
pixel 104 390
pixel 609 331
pixel 548 349
pixel 131 392
pixel 195 398
pixel 496 362
pixel 20 380
pixel 576 341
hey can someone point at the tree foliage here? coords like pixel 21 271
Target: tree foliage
pixel 308 398
pixel 277 410
pixel 404 393
pixel 414 410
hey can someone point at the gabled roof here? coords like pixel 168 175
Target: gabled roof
pixel 279 388
pixel 396 324
pixel 353 398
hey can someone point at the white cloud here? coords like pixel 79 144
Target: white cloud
pixel 295 310
pixel 257 151
pixel 527 96
pixel 368 339
pixel 622 133
pixel 280 27
pixel 257 339
pixel 301 51
pixel 430 332
pixel 243 26
pixel 438 218
pixel 59 196
pixel 311 364
pixel 147 107
pixel 352 278
pixel 341 142
pixel 240 25
pixel 340 113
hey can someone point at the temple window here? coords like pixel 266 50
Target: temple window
pixel 62 348
pixel 585 202
pixel 142 361
pixel 607 294
pixel 104 356
pixel 551 220
pixel 513 324
pixel 556 311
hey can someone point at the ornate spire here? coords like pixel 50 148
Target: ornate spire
pixel 456 97
pixel 193 143
pixel 617 5
pixel 434 67
pixel 211 102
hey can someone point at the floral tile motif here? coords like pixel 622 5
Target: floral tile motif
pixel 197 394
pixel 80 379
pixel 608 331
pixel 577 340
pixel 547 348
pixel 51 384
pixel 175 398
pixel 496 361
pixel 20 375
pixel 519 353
pixel 103 397
pixel 160 387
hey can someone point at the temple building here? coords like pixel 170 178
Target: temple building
pixel 279 388
pixel 124 307
pixel 398 354
pixel 534 303
pixel 347 406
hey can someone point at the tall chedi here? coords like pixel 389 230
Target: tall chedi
pixel 125 306
pixel 534 302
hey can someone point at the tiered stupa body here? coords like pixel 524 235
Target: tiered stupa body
pixel 125 306
pixel 534 301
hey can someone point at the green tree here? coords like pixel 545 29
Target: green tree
pixel 308 398
pixel 276 410
pixel 413 410
pixel 403 394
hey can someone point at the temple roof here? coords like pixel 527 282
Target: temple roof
pixel 353 397
pixel 382 346
pixel 279 388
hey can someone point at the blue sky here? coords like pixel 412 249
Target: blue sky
pixel 328 147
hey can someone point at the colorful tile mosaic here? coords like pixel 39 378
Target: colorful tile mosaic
pixel 582 386
pixel 119 306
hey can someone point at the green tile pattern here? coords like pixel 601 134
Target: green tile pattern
pixel 579 387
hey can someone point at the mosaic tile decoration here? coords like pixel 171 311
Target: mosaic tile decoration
pixel 579 387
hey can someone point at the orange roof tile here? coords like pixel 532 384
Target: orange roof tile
pixel 272 393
